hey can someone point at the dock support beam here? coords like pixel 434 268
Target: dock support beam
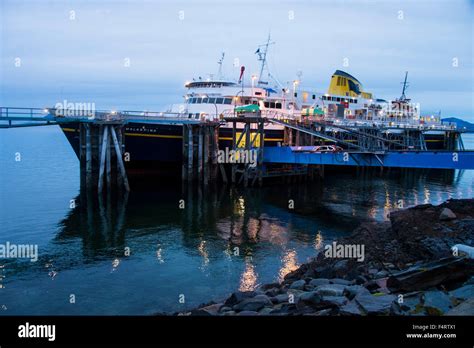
pixel 200 150
pixel 95 142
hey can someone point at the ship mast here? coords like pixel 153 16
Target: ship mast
pixel 405 86
pixel 262 57
pixel 219 72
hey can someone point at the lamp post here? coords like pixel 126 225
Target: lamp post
pixel 254 77
pixel 235 99
pixel 295 84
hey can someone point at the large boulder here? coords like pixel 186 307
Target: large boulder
pixel 463 293
pixel 311 297
pixel 208 310
pixel 465 308
pixel 330 290
pixel 333 301
pixel 375 305
pixel 350 309
pixel 353 290
pixel 298 285
pixel 340 281
pixel 319 281
pixel 253 303
pixel 436 302
pixel 447 214
pixel 238 296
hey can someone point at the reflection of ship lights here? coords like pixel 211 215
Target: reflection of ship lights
pixel 240 206
pixel 318 243
pixel 202 250
pixel 248 280
pixel 289 264
pixel 426 191
pixel 159 256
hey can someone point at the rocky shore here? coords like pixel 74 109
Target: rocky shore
pixel 408 268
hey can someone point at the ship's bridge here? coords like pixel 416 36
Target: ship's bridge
pixel 210 84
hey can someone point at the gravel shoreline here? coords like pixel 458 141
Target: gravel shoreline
pixel 408 268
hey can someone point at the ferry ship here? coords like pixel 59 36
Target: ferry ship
pixel 345 103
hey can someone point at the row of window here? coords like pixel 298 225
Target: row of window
pixel 339 99
pixel 202 100
pixel 304 97
pixel 341 81
pixel 272 105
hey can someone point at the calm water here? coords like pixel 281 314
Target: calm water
pixel 173 251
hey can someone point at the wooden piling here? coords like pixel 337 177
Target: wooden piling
pixel 190 153
pixel 88 156
pixel 108 165
pixel 200 154
pixel 118 155
pixel 103 154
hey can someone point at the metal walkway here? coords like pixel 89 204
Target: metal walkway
pixel 399 159
pixel 13 117
pixel 365 140
pixel 315 133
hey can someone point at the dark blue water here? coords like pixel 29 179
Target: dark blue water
pixel 174 252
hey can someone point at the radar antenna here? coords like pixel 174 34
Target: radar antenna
pixel 405 87
pixel 219 72
pixel 262 57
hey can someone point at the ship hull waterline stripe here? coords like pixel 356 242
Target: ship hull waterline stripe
pixel 170 136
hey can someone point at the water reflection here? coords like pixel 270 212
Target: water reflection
pixel 220 240
pixel 248 280
pixel 318 241
pixel 289 264
pixel 247 218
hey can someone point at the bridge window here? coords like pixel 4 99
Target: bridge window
pixel 205 100
pixel 212 100
pixel 227 101
pixel 314 96
pixel 219 100
pixel 266 104
pixel 278 105
pixel 354 87
pixel 272 105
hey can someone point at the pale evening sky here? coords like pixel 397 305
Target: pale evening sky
pixel 78 50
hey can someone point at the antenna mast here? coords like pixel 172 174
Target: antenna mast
pixel 262 57
pixel 405 86
pixel 219 72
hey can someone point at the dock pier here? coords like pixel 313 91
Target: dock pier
pixel 102 146
pixel 200 146
pixel 101 155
